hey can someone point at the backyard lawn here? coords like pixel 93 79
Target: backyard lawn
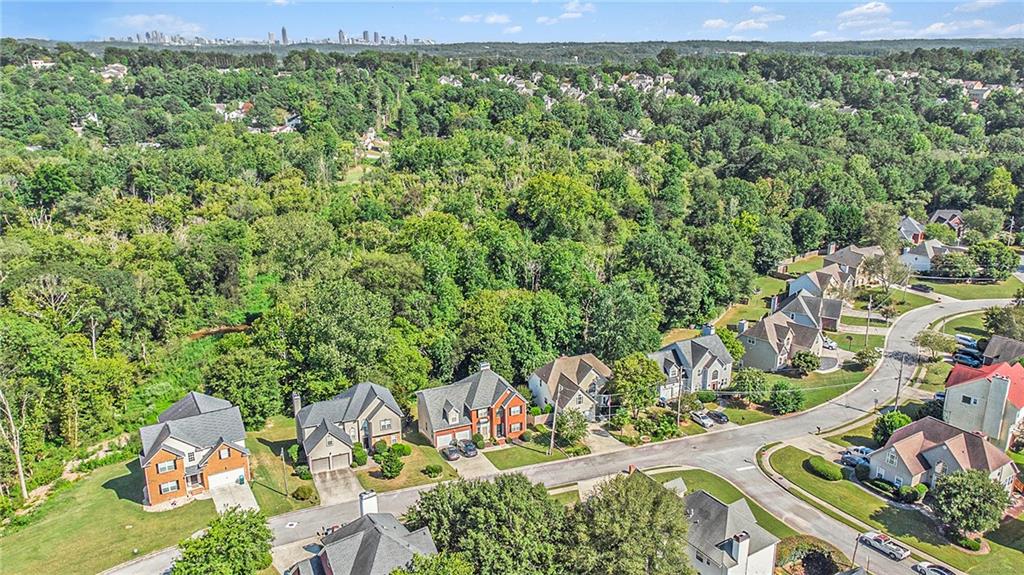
pixel 697 479
pixel 913 527
pixel 972 324
pixel 855 341
pixel 97 523
pixel 423 454
pixel 935 378
pixel 902 301
pixel 268 476
pixel 800 267
pixel 822 387
pixel 678 334
pixel 528 453
pixel 757 306
pixel 1004 289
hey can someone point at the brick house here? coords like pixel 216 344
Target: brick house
pixel 197 444
pixel 483 403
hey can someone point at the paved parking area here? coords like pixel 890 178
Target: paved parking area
pixel 600 441
pixel 337 486
pixel 472 467
pixel 233 495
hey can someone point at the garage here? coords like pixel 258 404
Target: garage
pixel 320 465
pixel 464 434
pixel 225 478
pixel 339 461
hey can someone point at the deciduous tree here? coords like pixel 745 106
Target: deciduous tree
pixel 969 501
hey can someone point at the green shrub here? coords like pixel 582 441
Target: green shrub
pixel 358 455
pixel 380 447
pixel 302 472
pixel 620 419
pixel 527 435
pixel 862 471
pixel 401 449
pixel 576 450
pixel 293 453
pixel 969 544
pixel 478 440
pixel 824 468
pixel 907 494
pixel 535 410
pixel 390 464
pixel 922 490
pixel 882 486
pixel 304 493
pixel 433 470
pixel 541 428
pixel 706 396
pixel 549 408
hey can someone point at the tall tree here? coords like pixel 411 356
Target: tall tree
pixel 236 543
pixel 969 501
pixel 635 381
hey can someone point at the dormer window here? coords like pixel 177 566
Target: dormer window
pixel 453 416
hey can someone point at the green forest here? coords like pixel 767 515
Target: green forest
pixel 149 247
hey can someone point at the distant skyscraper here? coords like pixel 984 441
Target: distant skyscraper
pixel 270 37
pixel 376 37
pixel 405 38
pixel 341 36
pixel 366 36
pixel 284 36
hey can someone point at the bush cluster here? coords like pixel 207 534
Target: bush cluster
pixel 433 470
pixel 862 472
pixel 882 486
pixel 969 544
pixel 706 396
pixel 293 453
pixel 401 450
pixel 359 455
pixel 825 469
pixel 304 493
pixel 302 472
pixel 478 440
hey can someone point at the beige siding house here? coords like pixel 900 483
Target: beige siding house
pixel 988 400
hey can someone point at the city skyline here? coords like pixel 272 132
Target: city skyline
pixel 524 21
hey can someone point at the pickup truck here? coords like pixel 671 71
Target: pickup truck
pixel 885 545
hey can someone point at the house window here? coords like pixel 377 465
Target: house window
pixel 714 375
pixel 517 427
pixel 330 442
pixel 169 487
pixel 165 466
pixel 969 400
pixel 890 458
pixel 191 456
pixel 453 416
pixel 385 424
pixel 481 412
pixel 224 453
pixel 579 399
pixel 515 410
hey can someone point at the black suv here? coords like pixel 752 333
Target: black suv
pixel 467 448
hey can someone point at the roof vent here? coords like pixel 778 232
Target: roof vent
pixel 485 366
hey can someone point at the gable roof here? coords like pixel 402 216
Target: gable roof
pixel 1003 349
pixel 962 374
pixel 347 405
pixel 932 248
pixel 852 256
pixel 909 227
pixel 776 327
pixel 812 306
pixel 203 430
pixel 971 451
pixel 826 275
pixel 323 430
pixel 945 217
pixel 374 544
pixel 566 373
pixel 713 524
pixel 477 391
pixel 690 352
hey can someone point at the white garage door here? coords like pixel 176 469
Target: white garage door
pixel 320 465
pixel 339 461
pixel 443 440
pixel 465 434
pixel 226 478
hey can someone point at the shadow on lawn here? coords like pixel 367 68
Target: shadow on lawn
pixel 1010 534
pixel 128 486
pixel 908 523
pixel 276 447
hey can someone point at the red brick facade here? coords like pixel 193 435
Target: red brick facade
pixel 501 423
pixel 214 465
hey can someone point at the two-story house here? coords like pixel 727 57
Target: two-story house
pixel 1003 349
pixel 700 363
pixel 851 260
pixel 911 230
pixel 988 400
pixel 826 282
pixel 483 403
pixel 364 413
pixel 952 218
pixel 771 343
pixel 812 311
pixel 928 448
pixel 197 444
pixel 573 382
pixel 725 539
pixel 921 257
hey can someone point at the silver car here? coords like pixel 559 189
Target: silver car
pixel 702 419
pixel 885 545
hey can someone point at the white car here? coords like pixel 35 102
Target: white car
pixel 926 568
pixel 966 340
pixel 885 545
pixel 702 419
pixel 860 450
pixel 828 343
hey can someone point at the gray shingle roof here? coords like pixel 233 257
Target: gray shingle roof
pixel 205 430
pixel 852 255
pixel 932 248
pixel 1001 348
pixel 567 372
pixel 713 524
pixel 814 307
pixel 347 405
pixel 690 352
pixel 944 216
pixel 192 404
pixel 909 227
pixel 323 430
pixel 478 391
pixel 374 544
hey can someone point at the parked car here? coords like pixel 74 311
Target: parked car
pixel 852 459
pixel 968 360
pixel 971 352
pixel 860 450
pixel 702 419
pixel 467 448
pixel 885 545
pixel 927 568
pixel 966 340
pixel 718 416
pixel 829 343
pixel 450 452
pixel 923 288
pixel 939 396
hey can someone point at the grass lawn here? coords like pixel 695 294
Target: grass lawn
pixel 935 378
pixel 971 324
pixel 697 479
pixel 741 416
pixel 861 435
pixel 423 454
pixel 757 306
pixel 803 266
pixel 268 479
pixel 863 321
pixel 822 387
pixel 902 301
pixel 1007 543
pixel 1017 457
pixel 528 453
pixel 678 334
pixel 567 498
pixel 96 523
pixel 855 341
pixel 1004 289
pixel 356 173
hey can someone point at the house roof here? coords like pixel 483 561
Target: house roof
pixel 477 391
pixel 322 430
pixel 714 523
pixel 932 248
pixel 690 352
pixel 1002 349
pixel 205 429
pixel 944 216
pixel 962 374
pixel 812 306
pixel 347 405
pixel 971 451
pixel 374 544
pixel 853 256
pixel 826 275
pixel 776 327
pixel 566 373
pixel 909 227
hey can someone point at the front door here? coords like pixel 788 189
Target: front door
pixel 500 430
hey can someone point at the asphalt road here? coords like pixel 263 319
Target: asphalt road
pixel 729 453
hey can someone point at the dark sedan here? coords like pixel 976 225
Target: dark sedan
pixel 718 416
pixel 450 452
pixel 467 448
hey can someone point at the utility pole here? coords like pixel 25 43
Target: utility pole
pixel 867 328
pixel 899 384
pixel 856 544
pixel 554 419
pixel 284 474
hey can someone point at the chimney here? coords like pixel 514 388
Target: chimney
pixel 773 303
pixel 992 419
pixel 739 548
pixel 741 326
pixel 485 366
pixel 296 403
pixel 367 502
pixel 707 329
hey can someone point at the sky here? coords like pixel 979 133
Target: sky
pixel 522 21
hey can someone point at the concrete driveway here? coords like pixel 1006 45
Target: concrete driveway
pixel 337 486
pixel 473 467
pixel 600 441
pixel 286 556
pixel 233 495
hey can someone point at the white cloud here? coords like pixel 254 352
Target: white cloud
pixel 946 28
pixel 279 2
pixel 574 6
pixel 716 24
pixel 496 19
pixel 750 25
pixel 571 10
pixel 771 18
pixel 512 30
pixel 869 10
pixel 735 38
pixel 164 22
pixel 755 9
pixel 821 34
pixel 486 19
pixel 470 18
pixel 1014 29
pixel 977 5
